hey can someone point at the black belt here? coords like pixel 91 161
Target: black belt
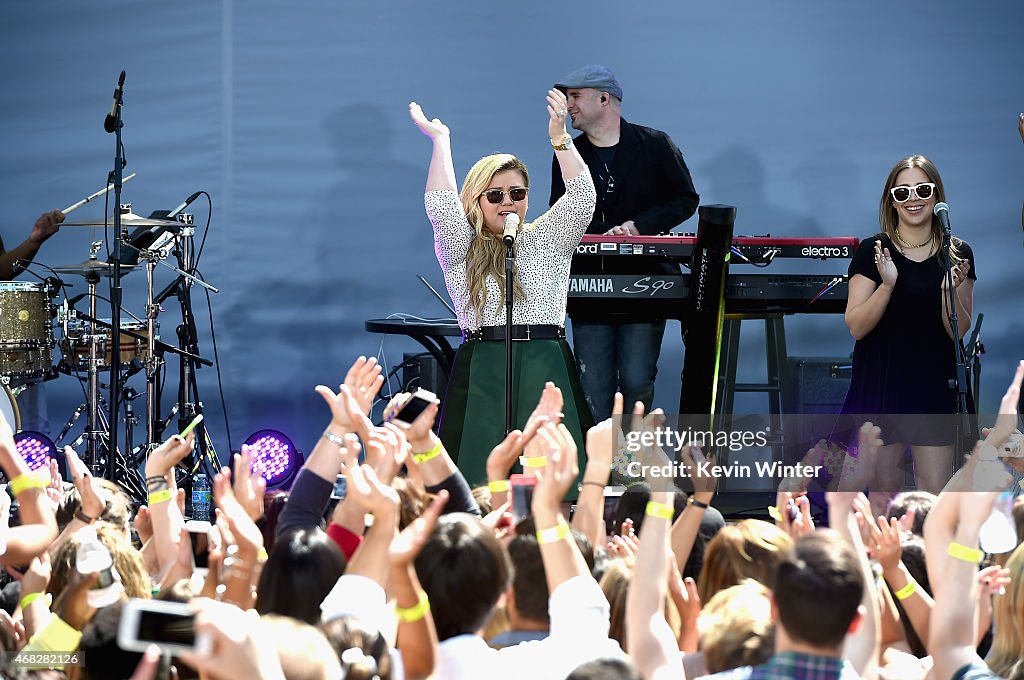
pixel 519 332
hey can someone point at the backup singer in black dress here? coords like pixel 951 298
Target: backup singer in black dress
pixel 898 313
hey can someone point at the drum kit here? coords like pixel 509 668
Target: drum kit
pixel 33 325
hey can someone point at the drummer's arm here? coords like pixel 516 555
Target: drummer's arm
pixel 11 261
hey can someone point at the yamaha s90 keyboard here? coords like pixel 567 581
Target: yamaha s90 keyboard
pixel 663 294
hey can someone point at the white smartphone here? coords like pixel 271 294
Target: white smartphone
pixel 199 534
pixel 168 625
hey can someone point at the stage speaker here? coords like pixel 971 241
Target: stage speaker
pixel 422 370
pixel 818 385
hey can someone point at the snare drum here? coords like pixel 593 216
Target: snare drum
pixel 75 345
pixel 26 329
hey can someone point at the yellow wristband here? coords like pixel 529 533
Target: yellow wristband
pixel 533 462
pixel 160 497
pixel 56 636
pixel 499 486
pixel 262 556
pixel 429 455
pixel 29 480
pixel 907 590
pixel 414 613
pixel 773 512
pixel 662 510
pixel 554 534
pixel 965 554
pixel 32 597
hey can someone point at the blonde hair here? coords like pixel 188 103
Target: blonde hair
pixel 486 256
pixel 888 218
pixel 752 548
pixel 127 561
pixel 1006 657
pixel 736 627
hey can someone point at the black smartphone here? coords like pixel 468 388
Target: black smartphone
pixel 522 496
pixel 421 399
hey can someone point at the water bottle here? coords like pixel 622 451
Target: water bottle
pixel 999 532
pixel 201 498
pixel 93 556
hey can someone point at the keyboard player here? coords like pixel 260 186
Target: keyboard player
pixel 643 188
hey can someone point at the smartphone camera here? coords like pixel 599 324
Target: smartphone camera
pixel 168 625
pixel 421 399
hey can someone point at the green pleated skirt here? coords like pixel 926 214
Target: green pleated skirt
pixel 473 412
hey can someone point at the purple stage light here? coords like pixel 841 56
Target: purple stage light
pixel 273 457
pixel 36 448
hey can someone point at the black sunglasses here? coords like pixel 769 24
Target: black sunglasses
pixel 498 195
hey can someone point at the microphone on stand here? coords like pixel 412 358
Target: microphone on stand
pixel 186 203
pixel 110 122
pixel 508 235
pixel 941 210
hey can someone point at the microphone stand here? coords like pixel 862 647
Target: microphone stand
pixel 510 259
pixel 959 380
pixel 189 404
pixel 115 290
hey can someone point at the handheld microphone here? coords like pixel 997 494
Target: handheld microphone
pixel 941 211
pixel 110 122
pixel 186 203
pixel 508 235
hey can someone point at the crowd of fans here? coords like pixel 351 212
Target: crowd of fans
pixel 414 574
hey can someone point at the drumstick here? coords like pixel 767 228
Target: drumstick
pixel 76 206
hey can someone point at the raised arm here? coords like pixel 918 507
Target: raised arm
pixel 441 174
pixel 45 227
pixel 650 640
pixel 569 159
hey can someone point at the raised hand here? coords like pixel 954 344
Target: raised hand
pixel 884 545
pixel 554 480
pixel 960 270
pixel 170 453
pixel 421 426
pixel 1006 423
pixel 46 226
pixel 407 545
pixel 557 110
pixel 392 450
pixel 241 528
pixel 883 262
pixel 369 492
pixel 505 455
pixel 89 489
pixel 601 439
pixel 249 489
pixel 10 460
pixel 346 411
pixel 431 128
pixel 857 471
pixel 364 380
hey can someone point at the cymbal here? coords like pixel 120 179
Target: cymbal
pixel 104 269
pixel 128 220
